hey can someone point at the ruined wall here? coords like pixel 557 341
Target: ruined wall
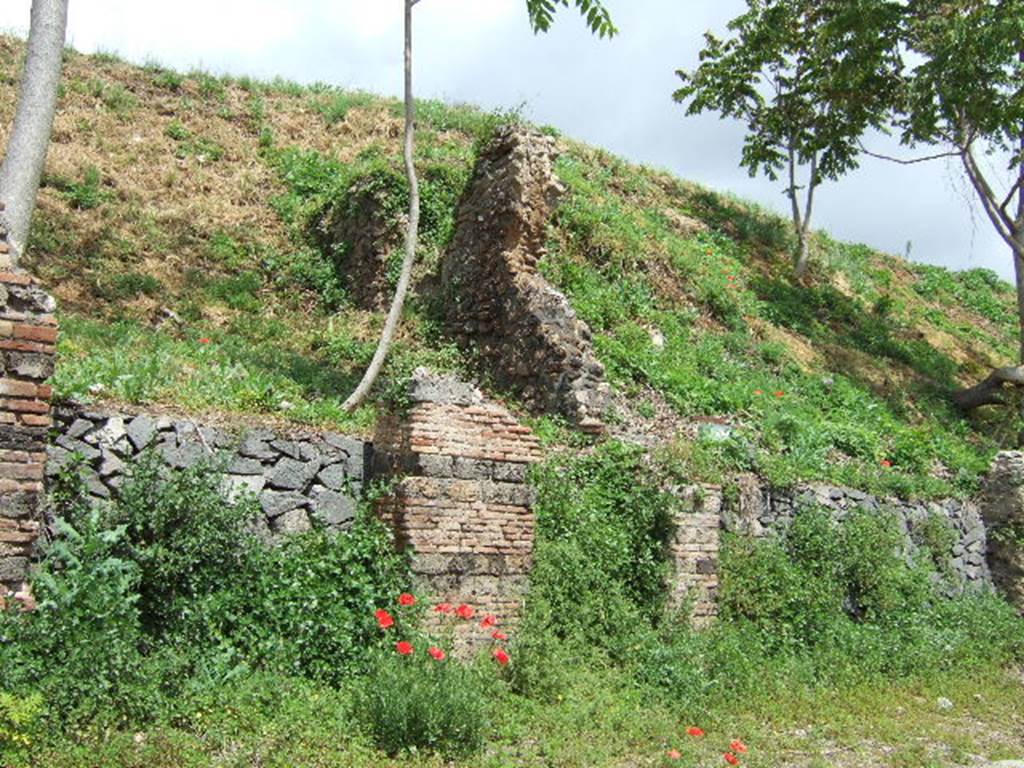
pixel 694 551
pixel 300 478
pixel 761 509
pixel 1002 507
pixel 463 506
pixel 499 305
pixel 28 333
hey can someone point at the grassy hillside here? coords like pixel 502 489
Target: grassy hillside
pixel 178 228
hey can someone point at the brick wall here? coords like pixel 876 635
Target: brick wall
pixel 28 332
pixel 463 505
pixel 694 551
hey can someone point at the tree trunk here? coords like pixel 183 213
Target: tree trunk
pixel 412 233
pixel 33 121
pixel 803 254
pixel 1018 269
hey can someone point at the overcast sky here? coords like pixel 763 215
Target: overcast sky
pixel 616 94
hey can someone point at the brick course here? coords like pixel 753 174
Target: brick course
pixel 28 334
pixel 463 506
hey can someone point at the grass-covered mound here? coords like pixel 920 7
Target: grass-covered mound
pixel 178 227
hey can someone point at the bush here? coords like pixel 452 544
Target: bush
pixel 19 724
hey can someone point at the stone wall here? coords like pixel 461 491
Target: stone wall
pixel 760 509
pixel 463 506
pixel 499 305
pixel 28 333
pixel 1002 508
pixel 300 478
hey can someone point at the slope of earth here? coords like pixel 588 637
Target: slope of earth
pixel 180 226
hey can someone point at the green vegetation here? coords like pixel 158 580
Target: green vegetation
pixel 211 643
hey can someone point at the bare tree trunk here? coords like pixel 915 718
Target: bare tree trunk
pixel 802 220
pixel 33 121
pixel 412 233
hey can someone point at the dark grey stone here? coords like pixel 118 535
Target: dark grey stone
pixel 254 448
pixel 469 469
pixel 333 509
pixel 141 430
pixel 510 472
pixel 333 477
pixel 292 475
pixel 350 445
pixel 56 459
pixel 289 448
pixel 77 446
pixel 183 456
pixel 291 522
pixel 276 503
pixel 79 427
pixel 243 466
pixel 239 485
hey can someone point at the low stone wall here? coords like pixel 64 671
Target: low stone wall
pixel 463 507
pixel 500 305
pixel 760 510
pixel 299 478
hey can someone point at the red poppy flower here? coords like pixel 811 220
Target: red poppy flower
pixel 738 746
pixel 730 277
pixel 780 393
pixel 465 612
pixel 404 648
pixel 758 392
pixel 693 730
pixel 498 635
pixel 674 754
pixel 731 759
pixel 204 341
pixel 437 653
pixel 886 463
pixel 489 621
pixel 443 608
pixel 501 657
pixel 406 599
pixel 384 619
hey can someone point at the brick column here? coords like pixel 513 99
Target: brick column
pixel 28 332
pixel 463 505
pixel 694 550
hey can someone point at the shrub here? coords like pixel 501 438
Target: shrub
pixel 19 724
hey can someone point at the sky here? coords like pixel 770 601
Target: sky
pixel 615 94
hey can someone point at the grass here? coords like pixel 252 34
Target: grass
pixel 206 199
pixel 600 721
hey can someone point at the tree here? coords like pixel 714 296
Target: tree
pixel 808 77
pixel 966 90
pixel 541 14
pixel 33 121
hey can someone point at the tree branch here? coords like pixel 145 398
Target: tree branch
pixel 988 200
pixel 989 391
pixel 907 161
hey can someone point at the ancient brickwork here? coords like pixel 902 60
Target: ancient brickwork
pixel 694 551
pixel 463 506
pixel 299 478
pixel 28 333
pixel 499 305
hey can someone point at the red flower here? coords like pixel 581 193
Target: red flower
pixel 674 754
pixel 738 746
pixel 730 277
pixel 436 652
pixel 693 730
pixel 489 621
pixel 886 463
pixel 204 340
pixel 465 612
pixel 406 599
pixel 498 635
pixel 404 648
pixel 780 393
pixel 384 619
pixel 758 392
pixel 501 657
pixel 731 759
pixel 443 608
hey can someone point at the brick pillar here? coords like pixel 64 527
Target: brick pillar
pixel 463 505
pixel 28 332
pixel 694 550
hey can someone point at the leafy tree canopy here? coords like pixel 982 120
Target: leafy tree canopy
pixel 542 14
